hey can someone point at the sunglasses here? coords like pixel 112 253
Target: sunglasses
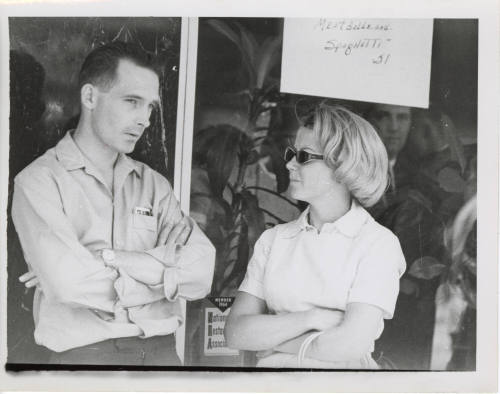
pixel 301 155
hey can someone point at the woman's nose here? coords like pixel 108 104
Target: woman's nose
pixel 292 164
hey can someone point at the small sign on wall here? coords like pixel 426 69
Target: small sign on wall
pixel 215 321
pixel 375 60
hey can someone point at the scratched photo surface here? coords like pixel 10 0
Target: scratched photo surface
pixel 252 91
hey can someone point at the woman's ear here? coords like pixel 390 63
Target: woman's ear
pixel 88 96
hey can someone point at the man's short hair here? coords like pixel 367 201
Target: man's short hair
pixel 353 149
pixel 99 67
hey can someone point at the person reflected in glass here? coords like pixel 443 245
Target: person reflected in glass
pixel 317 289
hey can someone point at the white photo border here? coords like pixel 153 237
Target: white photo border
pixel 484 379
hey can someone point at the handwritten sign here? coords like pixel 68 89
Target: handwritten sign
pixel 376 60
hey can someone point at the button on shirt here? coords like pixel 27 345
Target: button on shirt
pixel 64 214
pixel 295 267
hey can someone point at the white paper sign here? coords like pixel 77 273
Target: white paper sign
pixel 215 344
pixel 375 60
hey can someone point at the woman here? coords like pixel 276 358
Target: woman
pixel 317 289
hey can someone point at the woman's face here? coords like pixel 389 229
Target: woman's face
pixel 313 181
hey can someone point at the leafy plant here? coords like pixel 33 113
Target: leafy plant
pixel 224 153
pixel 443 209
pixel 453 176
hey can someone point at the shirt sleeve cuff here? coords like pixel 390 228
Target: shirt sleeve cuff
pixel 387 309
pixel 166 255
pixel 156 319
pixel 171 283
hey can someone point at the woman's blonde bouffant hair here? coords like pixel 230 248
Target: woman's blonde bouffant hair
pixel 353 149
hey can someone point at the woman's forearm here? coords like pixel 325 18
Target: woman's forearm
pixel 350 339
pixel 262 332
pixel 292 346
pixel 341 344
pixel 337 344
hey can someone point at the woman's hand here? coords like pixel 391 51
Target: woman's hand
pixel 322 319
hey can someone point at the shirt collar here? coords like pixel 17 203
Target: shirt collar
pixel 349 224
pixel 72 158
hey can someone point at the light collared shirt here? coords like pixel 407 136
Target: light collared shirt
pixel 295 268
pixel 64 214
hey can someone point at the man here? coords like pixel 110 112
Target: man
pixel 407 339
pixel 108 248
pixel 392 123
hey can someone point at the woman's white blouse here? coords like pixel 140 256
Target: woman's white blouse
pixel 354 259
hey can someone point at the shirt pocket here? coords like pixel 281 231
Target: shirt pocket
pixel 144 222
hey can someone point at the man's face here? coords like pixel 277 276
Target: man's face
pixel 122 110
pixel 392 123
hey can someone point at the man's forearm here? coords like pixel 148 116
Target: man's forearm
pixel 140 266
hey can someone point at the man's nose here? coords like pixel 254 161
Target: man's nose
pixel 143 118
pixel 394 125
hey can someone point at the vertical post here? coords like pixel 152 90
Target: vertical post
pixel 184 135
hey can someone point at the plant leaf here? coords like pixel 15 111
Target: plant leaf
pixel 240 266
pixel 268 57
pixel 225 30
pixel 462 226
pixel 245 43
pixel 271 147
pixel 443 293
pixel 451 181
pixel 249 44
pixel 426 267
pixel 469 293
pixel 450 306
pixel 420 199
pixel 204 139
pixel 456 147
pixel 470 263
pixel 408 287
pixel 218 148
pixel 254 217
pixel 253 157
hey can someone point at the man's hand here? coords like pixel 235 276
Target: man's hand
pixel 29 279
pixel 179 233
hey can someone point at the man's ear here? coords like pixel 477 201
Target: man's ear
pixel 88 96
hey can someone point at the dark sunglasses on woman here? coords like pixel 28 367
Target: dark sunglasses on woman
pixel 302 156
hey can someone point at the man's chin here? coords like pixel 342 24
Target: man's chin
pixel 126 149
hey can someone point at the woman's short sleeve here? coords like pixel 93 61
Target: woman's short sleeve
pixel 377 278
pixel 253 283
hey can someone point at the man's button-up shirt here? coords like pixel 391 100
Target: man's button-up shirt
pixel 64 214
